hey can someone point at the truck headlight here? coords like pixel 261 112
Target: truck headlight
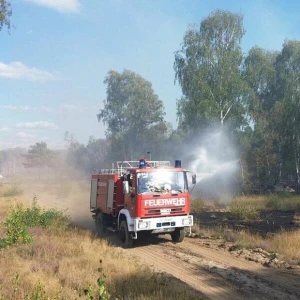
pixel 144 225
pixel 187 222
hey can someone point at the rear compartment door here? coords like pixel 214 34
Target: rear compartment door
pixel 93 195
pixel 110 194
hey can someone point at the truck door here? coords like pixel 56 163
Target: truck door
pixel 130 198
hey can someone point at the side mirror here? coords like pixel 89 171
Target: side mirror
pixel 125 187
pixel 194 179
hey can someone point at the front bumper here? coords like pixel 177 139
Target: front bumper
pixel 163 223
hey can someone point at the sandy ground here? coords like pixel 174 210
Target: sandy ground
pixel 216 272
pixel 212 270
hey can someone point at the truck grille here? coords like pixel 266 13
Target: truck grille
pixel 157 211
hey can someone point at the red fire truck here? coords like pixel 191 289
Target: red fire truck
pixel 142 196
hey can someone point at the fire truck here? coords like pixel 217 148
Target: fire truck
pixel 150 197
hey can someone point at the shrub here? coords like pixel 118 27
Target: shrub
pixel 197 204
pixel 20 219
pixel 239 211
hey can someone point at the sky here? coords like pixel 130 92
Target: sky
pixel 55 58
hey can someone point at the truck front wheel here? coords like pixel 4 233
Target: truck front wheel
pixel 125 235
pixel 178 235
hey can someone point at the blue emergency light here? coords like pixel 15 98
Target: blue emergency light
pixel 177 163
pixel 142 163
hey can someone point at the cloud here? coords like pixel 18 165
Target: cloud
pixel 5 129
pixel 24 135
pixel 17 70
pixel 42 108
pixel 15 107
pixel 25 108
pixel 37 125
pixel 63 6
pixel 77 108
pixel 71 107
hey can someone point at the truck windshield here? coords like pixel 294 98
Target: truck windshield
pixel 161 181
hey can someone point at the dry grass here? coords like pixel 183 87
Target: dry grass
pixel 256 201
pixel 68 261
pixel 283 202
pixel 61 263
pixel 288 244
pixel 212 232
pixel 285 243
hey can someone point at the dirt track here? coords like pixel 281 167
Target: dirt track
pixel 216 273
pixel 211 270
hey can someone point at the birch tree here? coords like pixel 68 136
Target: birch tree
pixel 208 69
pixel 5 14
pixel 264 157
pixel 288 101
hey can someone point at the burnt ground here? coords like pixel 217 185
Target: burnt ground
pixel 269 222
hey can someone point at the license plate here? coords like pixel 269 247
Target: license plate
pixel 165 211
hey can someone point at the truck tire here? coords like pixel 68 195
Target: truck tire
pixel 100 226
pixel 178 235
pixel 125 235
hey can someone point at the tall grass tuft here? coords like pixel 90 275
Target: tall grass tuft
pixel 239 211
pixel 284 202
pixel 197 204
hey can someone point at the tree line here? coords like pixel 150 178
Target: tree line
pixel 251 98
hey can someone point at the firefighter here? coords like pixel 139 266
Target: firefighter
pixel 143 182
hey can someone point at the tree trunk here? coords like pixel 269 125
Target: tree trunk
pixel 297 170
pixel 242 171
